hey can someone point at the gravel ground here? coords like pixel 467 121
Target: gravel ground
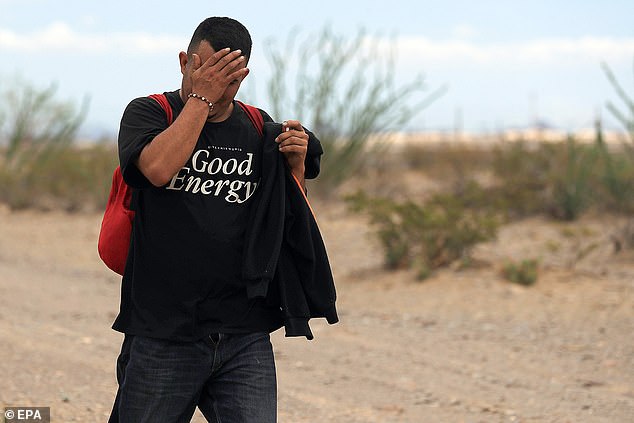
pixel 463 346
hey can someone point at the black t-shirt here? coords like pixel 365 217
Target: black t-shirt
pixel 183 276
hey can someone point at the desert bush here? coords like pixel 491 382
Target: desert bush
pixel 572 180
pixel 522 171
pixel 626 118
pixel 562 180
pixel 615 187
pixel 446 160
pixel 39 164
pixel 347 93
pixel 447 166
pixel 425 236
pixel 524 272
pixel 619 174
pixel 35 123
pixel 70 179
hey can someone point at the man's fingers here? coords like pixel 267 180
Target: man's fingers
pixel 196 62
pixel 229 61
pixel 292 144
pixel 292 128
pixel 217 56
pixel 235 66
pixel 239 75
pixel 292 124
pixel 293 136
pixel 293 148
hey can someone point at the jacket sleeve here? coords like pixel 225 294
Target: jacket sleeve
pixel 309 256
pixel 313 156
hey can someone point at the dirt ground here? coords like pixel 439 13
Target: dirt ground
pixel 462 346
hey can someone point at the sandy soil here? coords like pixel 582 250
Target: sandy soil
pixel 463 346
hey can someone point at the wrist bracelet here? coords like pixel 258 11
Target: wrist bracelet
pixel 200 97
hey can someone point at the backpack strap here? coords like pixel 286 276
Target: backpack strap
pixel 161 99
pixel 254 116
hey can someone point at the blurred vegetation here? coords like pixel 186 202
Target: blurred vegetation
pixel 521 179
pixel 345 91
pixel 626 118
pixel 458 197
pixel 561 180
pixel 524 272
pixel 425 236
pixel 478 189
pixel 619 168
pixel 40 165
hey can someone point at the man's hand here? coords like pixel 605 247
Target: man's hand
pixel 210 79
pixel 293 143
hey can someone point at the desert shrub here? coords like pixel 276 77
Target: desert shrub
pixel 523 272
pixel 425 236
pixel 614 189
pixel 522 171
pixel 617 187
pixel 572 180
pixel 562 180
pixel 626 118
pixel 352 115
pixel 71 179
pixel 619 170
pixel 40 166
pixel 35 124
pixel 618 176
pixel 446 160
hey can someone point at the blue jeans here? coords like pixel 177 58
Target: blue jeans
pixel 230 377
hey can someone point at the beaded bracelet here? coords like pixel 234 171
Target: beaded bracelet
pixel 200 97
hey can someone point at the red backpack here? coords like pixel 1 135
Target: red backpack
pixel 116 226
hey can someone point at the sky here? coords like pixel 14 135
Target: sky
pixel 506 63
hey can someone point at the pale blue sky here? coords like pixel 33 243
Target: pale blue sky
pixel 505 62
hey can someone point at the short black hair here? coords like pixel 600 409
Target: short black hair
pixel 222 32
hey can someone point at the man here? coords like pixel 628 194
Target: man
pixel 193 336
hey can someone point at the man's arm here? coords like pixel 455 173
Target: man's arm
pixel 168 152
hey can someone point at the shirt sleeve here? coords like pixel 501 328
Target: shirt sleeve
pixel 142 120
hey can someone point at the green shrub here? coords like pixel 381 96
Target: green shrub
pixel 616 184
pixel 428 236
pixel 626 117
pixel 524 272
pixel 71 179
pixel 40 166
pixel 562 180
pixel 351 116
pixel 520 178
pixel 446 161
pixel 571 180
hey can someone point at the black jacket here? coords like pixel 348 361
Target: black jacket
pixel 285 259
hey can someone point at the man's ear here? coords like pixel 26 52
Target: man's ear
pixel 183 60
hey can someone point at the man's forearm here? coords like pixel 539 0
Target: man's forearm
pixel 164 156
